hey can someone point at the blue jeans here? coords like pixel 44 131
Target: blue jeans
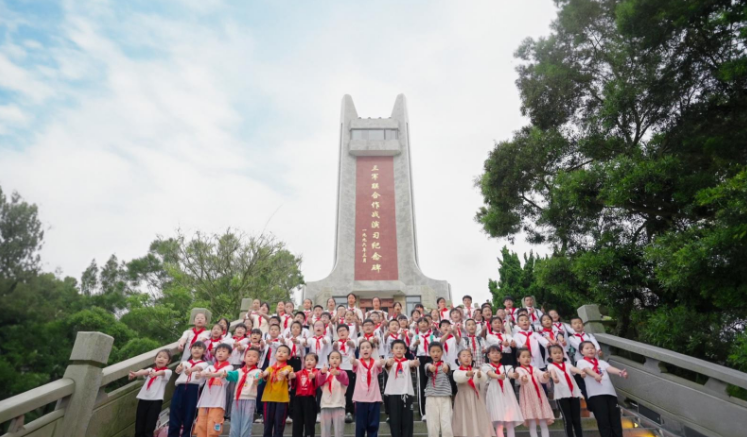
pixel 367 416
pixel 183 410
pixel 242 417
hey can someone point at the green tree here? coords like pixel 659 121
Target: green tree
pixel 631 166
pixel 21 237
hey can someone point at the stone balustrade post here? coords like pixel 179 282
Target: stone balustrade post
pixel 90 354
pixel 592 318
pixel 246 305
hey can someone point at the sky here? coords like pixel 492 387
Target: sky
pixel 124 121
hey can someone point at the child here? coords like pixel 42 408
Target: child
pixel 245 380
pixel 574 341
pixel 333 383
pixel 508 303
pixel 212 404
pixel 421 347
pixel 346 347
pixel 296 342
pixel 186 391
pixel 399 392
pixel 150 397
pixel 534 404
pixel 224 324
pixel 319 344
pixel 450 343
pixel 443 312
pixel 500 399
pixel 470 413
pixel 468 310
pixel 367 395
pixel 391 336
pixel 474 343
pixel 304 399
pixel 352 301
pixel 438 392
pixel 566 393
pixel 307 311
pixel 275 395
pixel 376 303
pixel 216 338
pixel 240 342
pixel 496 336
pixel 526 338
pixel 456 319
pixel 558 323
pixel 273 343
pixel 601 397
pixel 534 313
pixel 190 336
pixel 370 335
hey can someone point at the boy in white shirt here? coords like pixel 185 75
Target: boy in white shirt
pixel 320 344
pixel 211 407
pixel 525 337
pixel 346 346
pixel 399 392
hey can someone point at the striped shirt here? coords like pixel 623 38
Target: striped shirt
pixel 442 387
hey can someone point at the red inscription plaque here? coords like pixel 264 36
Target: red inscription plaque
pixel 375 220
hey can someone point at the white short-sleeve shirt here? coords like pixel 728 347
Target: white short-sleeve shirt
pixel 594 388
pixel 157 388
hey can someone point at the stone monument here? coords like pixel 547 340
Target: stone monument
pixel 376 251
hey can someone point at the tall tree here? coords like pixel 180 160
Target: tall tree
pixel 637 111
pixel 21 239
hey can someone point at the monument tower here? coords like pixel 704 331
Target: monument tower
pixel 376 252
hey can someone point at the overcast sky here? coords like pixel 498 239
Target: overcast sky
pixel 127 120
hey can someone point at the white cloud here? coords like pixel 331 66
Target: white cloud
pixel 223 125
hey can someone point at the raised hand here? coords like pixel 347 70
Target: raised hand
pixel 325 369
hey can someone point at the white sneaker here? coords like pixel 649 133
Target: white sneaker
pixel 288 420
pixel 423 419
pixel 318 418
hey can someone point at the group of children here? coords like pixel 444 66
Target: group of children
pixel 329 366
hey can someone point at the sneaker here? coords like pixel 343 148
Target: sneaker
pixel 318 418
pixel 258 420
pixel 423 419
pixel 288 420
pixel 348 418
pixel 387 420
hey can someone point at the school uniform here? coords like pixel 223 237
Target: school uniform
pixel 150 400
pixel 243 398
pixel 298 351
pixel 399 396
pixel 511 314
pixel 601 398
pixel 420 344
pixel 211 344
pixel 190 336
pixel 357 312
pixel 367 397
pixel 574 341
pixel 212 404
pixel 303 403
pixel 535 315
pixel 333 403
pixel 348 354
pixel 498 338
pixel 183 407
pixel 532 341
pixel 568 396
pixel 272 346
pixel 322 346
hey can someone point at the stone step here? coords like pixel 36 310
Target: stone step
pixel 420 429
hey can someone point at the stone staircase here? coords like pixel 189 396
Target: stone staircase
pixel 633 425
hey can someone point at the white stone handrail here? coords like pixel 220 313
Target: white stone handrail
pixel 122 369
pixel 20 404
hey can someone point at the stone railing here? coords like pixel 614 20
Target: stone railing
pixel 679 405
pixel 83 406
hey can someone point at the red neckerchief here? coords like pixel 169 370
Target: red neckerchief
pixel 343 345
pixel 446 345
pixel 438 364
pixel 237 338
pixel 394 336
pixel 293 349
pixel 470 381
pixel 378 326
pixel 469 312
pixel 275 368
pixel 307 373
pixel 474 342
pixel 272 340
pixel 559 325
pixel 285 323
pixel 531 376
pixel 595 363
pixel 153 379
pixel 192 365
pixel 242 381
pixel 511 311
pixel 368 370
pixel 318 343
pixel 561 366
pixel 443 311
pixel 368 336
pixel 196 334
pixel 425 340
pixel 498 370
pixel 329 380
pixel 529 342
pixel 549 332
pixel 581 335
pixel 212 342
pixel 306 314
pixel 406 338
pixel 497 334
pixel 399 366
pixel 531 311
pixel 341 320
pixel 219 365
pixel 224 333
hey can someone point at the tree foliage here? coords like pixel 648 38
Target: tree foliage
pixel 143 303
pixel 633 165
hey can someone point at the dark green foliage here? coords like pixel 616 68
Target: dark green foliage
pixel 634 168
pixel 143 303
